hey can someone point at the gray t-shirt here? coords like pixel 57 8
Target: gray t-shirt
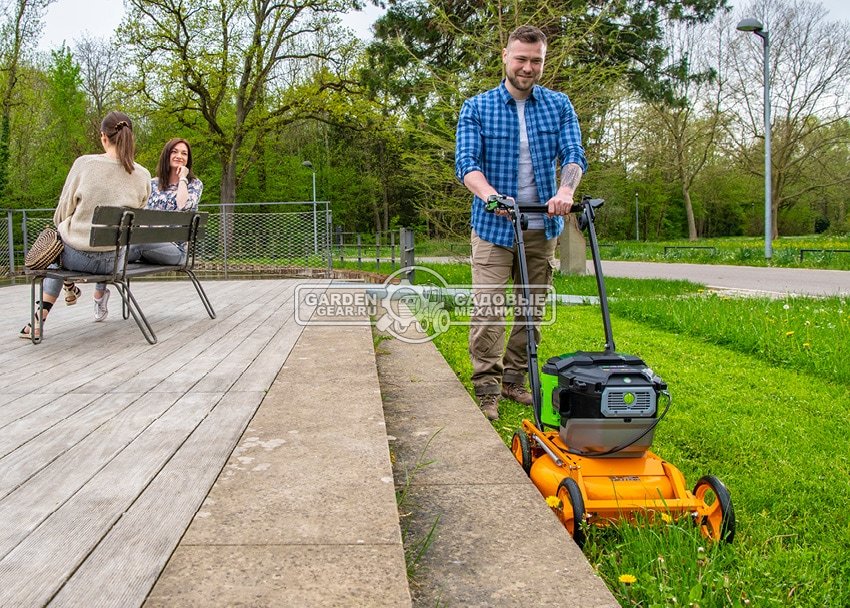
pixel 527 185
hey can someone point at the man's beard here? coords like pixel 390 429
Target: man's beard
pixel 514 80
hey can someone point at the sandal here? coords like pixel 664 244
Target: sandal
pixel 26 332
pixel 72 293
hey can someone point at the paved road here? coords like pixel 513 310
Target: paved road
pixel 744 279
pixel 771 281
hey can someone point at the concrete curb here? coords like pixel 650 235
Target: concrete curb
pixel 495 542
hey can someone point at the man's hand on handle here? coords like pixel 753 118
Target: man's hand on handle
pixel 560 204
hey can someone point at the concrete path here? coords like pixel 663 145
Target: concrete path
pixel 745 279
pixel 494 541
pixel 304 512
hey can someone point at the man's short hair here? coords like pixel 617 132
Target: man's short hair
pixel 528 34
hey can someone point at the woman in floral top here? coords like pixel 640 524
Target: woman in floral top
pixel 175 188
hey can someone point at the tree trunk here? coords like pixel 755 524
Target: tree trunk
pixel 226 200
pixel 689 211
pixel 4 150
pixel 11 70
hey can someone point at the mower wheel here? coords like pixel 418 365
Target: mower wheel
pixel 717 521
pixel 521 449
pixel 572 510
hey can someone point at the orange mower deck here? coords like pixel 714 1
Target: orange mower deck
pixel 600 491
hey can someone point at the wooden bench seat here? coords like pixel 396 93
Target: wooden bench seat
pixel 121 227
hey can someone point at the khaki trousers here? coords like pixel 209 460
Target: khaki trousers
pixel 492 267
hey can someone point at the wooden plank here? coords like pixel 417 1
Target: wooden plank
pixel 124 567
pixel 222 348
pixel 156 305
pixel 26 459
pixel 232 365
pixel 185 332
pixel 14 406
pixel 191 359
pixel 32 502
pixel 118 342
pixel 69 326
pixel 66 487
pixel 38 567
pixel 267 365
pixel 24 429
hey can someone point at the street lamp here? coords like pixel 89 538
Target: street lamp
pixel 756 27
pixel 637 219
pixel 309 165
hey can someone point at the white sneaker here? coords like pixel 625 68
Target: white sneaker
pixel 100 310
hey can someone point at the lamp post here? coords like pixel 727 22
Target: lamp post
pixel 309 165
pixel 637 219
pixel 756 27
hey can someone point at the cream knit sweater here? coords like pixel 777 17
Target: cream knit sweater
pixel 97 180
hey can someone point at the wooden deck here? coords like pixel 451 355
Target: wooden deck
pixel 109 445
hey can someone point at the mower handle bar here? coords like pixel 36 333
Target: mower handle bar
pixel 497 201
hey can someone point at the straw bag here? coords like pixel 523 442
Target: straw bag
pixel 44 251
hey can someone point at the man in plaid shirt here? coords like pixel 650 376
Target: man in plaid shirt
pixel 509 140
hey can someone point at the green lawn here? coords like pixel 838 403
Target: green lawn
pixel 753 405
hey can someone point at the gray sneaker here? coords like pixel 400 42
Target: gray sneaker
pixel 489 404
pixel 100 309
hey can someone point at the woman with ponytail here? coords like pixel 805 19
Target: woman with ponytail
pixel 110 179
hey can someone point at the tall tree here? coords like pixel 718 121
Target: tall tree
pixel 50 133
pixel 100 68
pixel 20 29
pixel 213 63
pixel 809 84
pixel 690 109
pixel 429 56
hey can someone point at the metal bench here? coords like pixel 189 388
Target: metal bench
pixel 713 249
pixel 803 251
pixel 119 228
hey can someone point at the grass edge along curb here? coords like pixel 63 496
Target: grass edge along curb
pixel 770 433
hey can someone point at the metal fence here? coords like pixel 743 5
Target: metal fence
pixel 246 238
pixel 251 238
pixel 386 246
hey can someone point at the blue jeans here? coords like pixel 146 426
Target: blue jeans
pixel 167 254
pixel 95 262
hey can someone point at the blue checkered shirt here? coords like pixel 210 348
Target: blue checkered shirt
pixel 488 141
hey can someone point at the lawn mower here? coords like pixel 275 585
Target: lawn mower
pixel 595 415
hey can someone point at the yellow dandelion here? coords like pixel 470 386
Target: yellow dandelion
pixel 666 518
pixel 806 345
pixel 553 501
pixel 788 334
pixel 628 579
